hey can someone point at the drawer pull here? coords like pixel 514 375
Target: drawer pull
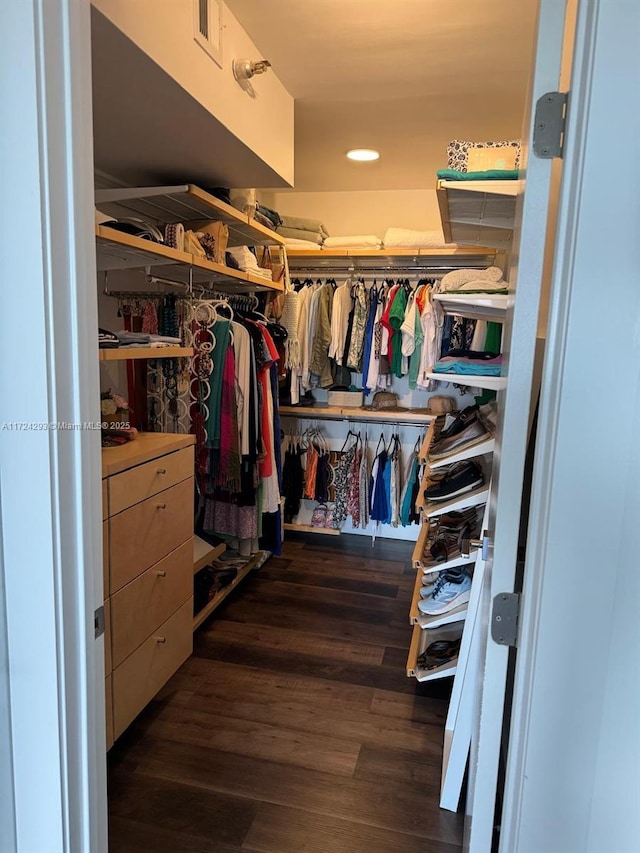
pixel 161 471
pixel 161 506
pixel 161 574
pixel 161 639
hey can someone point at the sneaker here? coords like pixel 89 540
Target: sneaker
pixel 473 433
pixel 460 478
pixel 452 590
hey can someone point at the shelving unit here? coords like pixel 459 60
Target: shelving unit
pixel 470 451
pixel 204 553
pixel 417 558
pixel 389 259
pixel 474 498
pixel 477 306
pixel 116 250
pixel 185 203
pixel 134 353
pixel 488 383
pixel 420 640
pixel 478 212
pixel 458 614
pixel 253 563
pixel 307 528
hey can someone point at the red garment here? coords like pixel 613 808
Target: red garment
pixel 265 465
pixel 384 320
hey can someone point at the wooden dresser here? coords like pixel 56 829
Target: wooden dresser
pixel 147 498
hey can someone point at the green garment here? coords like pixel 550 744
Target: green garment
pixel 320 364
pixel 414 358
pixel 491 175
pixel 221 330
pixel 493 343
pixel 396 319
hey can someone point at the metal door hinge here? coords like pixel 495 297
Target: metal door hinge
pixel 98 622
pixel 548 131
pixel 504 618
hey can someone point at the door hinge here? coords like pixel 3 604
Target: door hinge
pixel 504 618
pixel 98 622
pixel 548 131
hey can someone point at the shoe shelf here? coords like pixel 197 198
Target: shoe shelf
pixel 257 560
pixel 478 212
pixel 477 306
pixel 204 553
pixel 307 528
pixel 118 251
pixel 134 353
pixel 434 428
pixel 469 451
pixel 488 383
pixel 420 640
pixel 410 417
pixel 414 613
pixel 457 614
pixel 185 203
pixel 473 498
pixel 418 559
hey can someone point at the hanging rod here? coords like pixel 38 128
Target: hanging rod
pixel 389 272
pixel 324 415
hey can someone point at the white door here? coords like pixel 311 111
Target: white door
pixel 519 347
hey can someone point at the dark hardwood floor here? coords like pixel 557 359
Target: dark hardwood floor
pixel 293 727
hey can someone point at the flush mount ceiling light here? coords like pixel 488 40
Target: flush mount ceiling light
pixel 363 155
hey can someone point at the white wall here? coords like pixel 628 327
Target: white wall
pixel 362 212
pixel 164 30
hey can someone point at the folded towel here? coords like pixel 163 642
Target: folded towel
pixel 490 175
pixel 272 215
pixel 292 243
pixel 301 234
pixel 406 238
pixel 303 224
pixel 458 279
pixel 356 241
pixel 247 261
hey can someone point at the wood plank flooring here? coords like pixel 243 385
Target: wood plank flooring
pixel 293 727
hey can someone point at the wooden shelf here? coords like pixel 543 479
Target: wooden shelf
pixel 390 259
pixel 414 613
pixel 434 427
pixel 116 250
pixel 490 307
pixel 185 203
pixel 481 448
pixel 489 383
pixel 417 417
pixel 204 553
pixel 420 640
pixel 133 353
pixel 253 563
pixel 307 528
pixel 144 448
pixel 458 614
pixel 478 212
pixel 478 496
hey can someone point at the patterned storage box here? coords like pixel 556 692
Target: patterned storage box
pixel 466 156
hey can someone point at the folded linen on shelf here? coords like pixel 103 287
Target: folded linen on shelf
pixel 301 223
pixel 293 243
pixel 141 339
pixel 301 234
pixel 468 365
pixel 407 238
pixel 355 241
pixel 247 262
pixel 272 215
pixel 473 281
pixel 490 175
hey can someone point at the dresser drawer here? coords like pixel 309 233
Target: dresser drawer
pixel 142 535
pixel 108 665
pixel 105 500
pixel 142 482
pixel 108 711
pixel 105 559
pixel 137 680
pixel 142 605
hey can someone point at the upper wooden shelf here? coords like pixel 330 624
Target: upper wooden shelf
pixel 144 448
pixel 478 212
pixel 477 306
pixel 116 250
pixel 133 353
pixel 416 417
pixel 382 259
pixel 184 203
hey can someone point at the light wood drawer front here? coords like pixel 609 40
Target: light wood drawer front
pixel 142 535
pixel 148 601
pixel 108 702
pixel 105 558
pixel 105 500
pixel 137 680
pixel 108 664
pixel 142 482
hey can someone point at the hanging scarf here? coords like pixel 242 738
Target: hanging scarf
pixel 228 473
pixel 289 319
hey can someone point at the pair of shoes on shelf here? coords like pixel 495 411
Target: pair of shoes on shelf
pixel 471 426
pixel 451 589
pixel 438 653
pixel 458 479
pixel 447 534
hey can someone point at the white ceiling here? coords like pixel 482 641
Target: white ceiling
pixel 403 76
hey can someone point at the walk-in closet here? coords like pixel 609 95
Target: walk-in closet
pixel 310 317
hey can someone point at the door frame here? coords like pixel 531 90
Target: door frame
pixel 52 725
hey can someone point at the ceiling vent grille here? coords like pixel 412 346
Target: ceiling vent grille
pixel 207 29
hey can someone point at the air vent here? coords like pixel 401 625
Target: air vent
pixel 207 29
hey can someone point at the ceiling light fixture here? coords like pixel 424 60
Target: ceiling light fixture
pixel 363 155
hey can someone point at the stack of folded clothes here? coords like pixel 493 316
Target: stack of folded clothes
pixel 140 339
pixel 466 362
pixel 354 241
pixel 473 281
pixel 300 228
pixel 247 262
pixel 267 217
pixel 407 238
pixel 465 429
pixel 292 243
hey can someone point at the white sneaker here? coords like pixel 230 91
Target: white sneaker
pixel 447 594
